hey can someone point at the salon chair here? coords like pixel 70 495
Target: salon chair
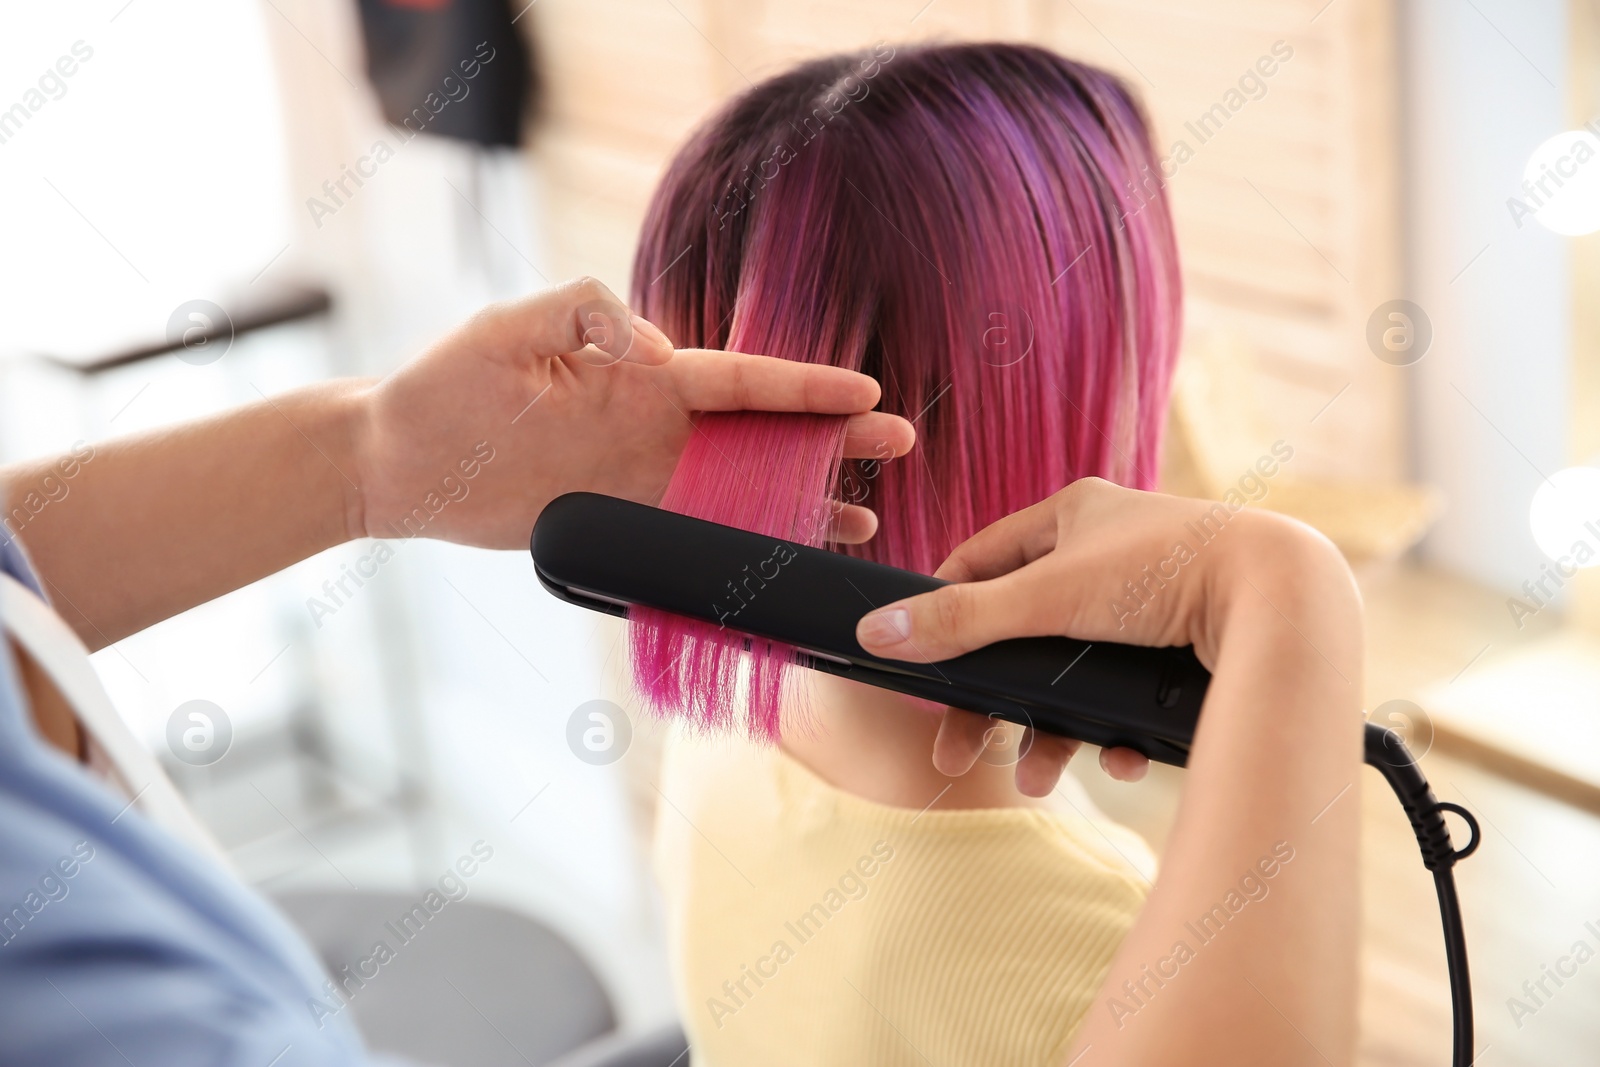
pixel 477 985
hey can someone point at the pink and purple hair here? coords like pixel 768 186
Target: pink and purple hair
pixel 981 228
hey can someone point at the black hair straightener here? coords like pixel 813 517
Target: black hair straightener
pixel 609 555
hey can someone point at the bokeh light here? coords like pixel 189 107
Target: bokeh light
pixel 1562 183
pixel 1565 512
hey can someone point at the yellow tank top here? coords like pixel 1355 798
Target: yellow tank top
pixel 811 927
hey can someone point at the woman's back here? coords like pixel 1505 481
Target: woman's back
pixel 810 926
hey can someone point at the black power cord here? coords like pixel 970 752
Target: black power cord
pixel 1386 751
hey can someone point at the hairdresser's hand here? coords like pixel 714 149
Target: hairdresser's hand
pixel 1063 567
pixel 562 391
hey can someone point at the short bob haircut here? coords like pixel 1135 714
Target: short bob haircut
pixel 982 228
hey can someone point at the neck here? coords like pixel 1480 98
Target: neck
pixel 878 746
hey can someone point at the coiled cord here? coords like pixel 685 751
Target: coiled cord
pixel 1387 752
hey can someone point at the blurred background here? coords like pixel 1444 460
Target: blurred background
pixel 1385 211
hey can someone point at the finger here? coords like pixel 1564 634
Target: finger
pixel 574 316
pixel 960 617
pixel 878 435
pixel 960 741
pixel 1124 764
pixel 1003 546
pixel 852 525
pixel 1044 758
pixel 709 380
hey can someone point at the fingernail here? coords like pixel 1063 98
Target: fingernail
pixel 886 627
pixel 651 331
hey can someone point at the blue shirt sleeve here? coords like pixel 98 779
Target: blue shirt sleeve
pixel 15 563
pixel 120 944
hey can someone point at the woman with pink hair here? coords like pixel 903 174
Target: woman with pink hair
pixel 981 228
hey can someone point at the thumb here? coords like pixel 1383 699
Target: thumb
pixel 578 314
pixel 951 620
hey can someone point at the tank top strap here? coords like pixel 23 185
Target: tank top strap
pixel 50 642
